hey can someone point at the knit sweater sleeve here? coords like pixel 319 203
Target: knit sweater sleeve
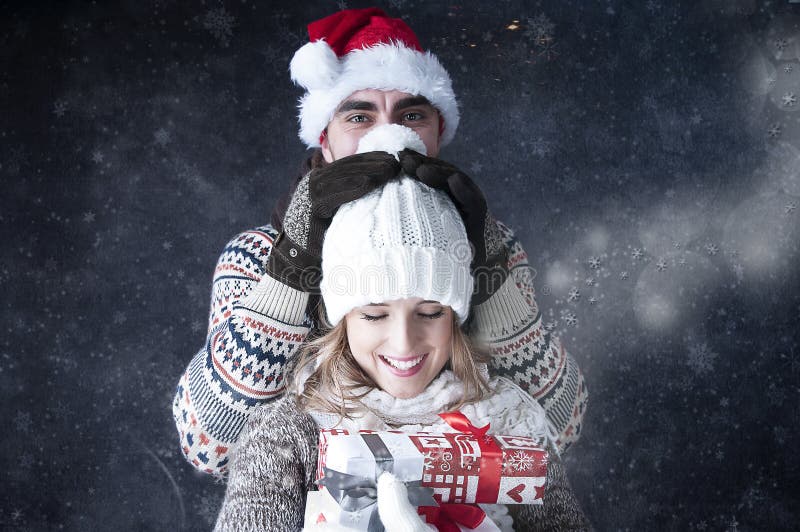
pixel 560 510
pixel 272 470
pixel 510 325
pixel 255 324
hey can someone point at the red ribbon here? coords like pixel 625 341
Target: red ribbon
pixel 447 517
pixel 491 461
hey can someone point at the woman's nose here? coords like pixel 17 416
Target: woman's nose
pixel 401 339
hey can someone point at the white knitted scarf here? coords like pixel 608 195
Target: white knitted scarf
pixel 507 408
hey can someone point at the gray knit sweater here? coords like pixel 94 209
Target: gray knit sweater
pixel 275 464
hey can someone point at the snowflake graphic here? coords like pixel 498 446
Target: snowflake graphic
pixel 790 207
pixel 209 508
pixel 637 254
pixel 789 99
pixel 661 265
pixel 23 421
pixel 540 147
pixel 569 318
pixel 623 275
pixel 540 28
pixel 25 460
pixel 574 294
pixel 774 131
pixel 711 249
pixel 701 358
pixel 788 69
pixel 780 44
pixel 595 263
pixel 220 23
pixel 162 137
pixel 59 108
pixel 653 6
pixel 519 461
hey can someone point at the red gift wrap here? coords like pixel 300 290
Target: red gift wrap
pixel 472 466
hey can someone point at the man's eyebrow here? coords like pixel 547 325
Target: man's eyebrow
pixel 355 105
pixel 411 101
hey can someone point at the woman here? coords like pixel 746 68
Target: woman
pixel 396 287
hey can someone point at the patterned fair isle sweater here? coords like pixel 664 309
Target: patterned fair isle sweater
pixel 274 465
pixel 257 323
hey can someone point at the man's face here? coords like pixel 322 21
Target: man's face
pixel 368 108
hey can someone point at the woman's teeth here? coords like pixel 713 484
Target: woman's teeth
pixel 404 364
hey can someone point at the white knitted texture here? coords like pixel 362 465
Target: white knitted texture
pixel 403 240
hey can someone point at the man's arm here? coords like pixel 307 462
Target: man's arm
pixel 510 324
pixel 255 324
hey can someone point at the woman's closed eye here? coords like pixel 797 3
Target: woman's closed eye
pixel 438 314
pixel 370 317
pixel 435 315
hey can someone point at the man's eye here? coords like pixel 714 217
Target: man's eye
pixel 357 118
pixel 412 117
pixel 369 317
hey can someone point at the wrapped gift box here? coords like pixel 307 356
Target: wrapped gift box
pixel 460 467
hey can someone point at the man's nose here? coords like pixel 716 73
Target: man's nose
pixel 386 118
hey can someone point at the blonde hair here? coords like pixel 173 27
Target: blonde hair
pixel 337 382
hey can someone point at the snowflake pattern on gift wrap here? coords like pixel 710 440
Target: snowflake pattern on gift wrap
pixel 518 462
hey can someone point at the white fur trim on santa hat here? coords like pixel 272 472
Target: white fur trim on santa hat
pixel 384 67
pixel 391 138
pixel 315 66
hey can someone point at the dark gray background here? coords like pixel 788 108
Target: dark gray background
pixel 646 153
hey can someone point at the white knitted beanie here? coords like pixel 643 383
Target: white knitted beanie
pixel 403 240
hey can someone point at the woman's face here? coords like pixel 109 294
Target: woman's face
pixel 402 344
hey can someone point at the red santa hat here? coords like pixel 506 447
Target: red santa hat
pixel 359 49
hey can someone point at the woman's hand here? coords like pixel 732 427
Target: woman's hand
pixel 396 512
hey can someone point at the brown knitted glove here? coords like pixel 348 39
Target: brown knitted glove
pixel 296 254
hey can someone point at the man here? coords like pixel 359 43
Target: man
pixel 361 70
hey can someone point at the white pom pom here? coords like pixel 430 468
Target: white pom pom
pixel 391 138
pixel 315 66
